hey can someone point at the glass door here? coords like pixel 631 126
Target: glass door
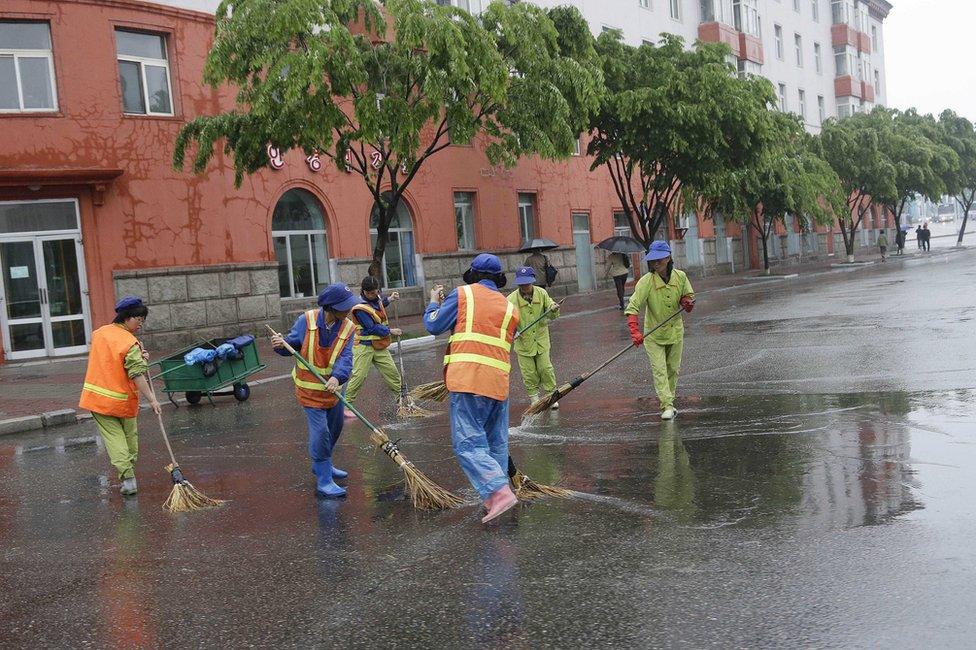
pixel 44 311
pixel 585 278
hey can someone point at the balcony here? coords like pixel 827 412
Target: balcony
pixel 848 86
pixel 750 48
pixel 843 35
pixel 863 42
pixel 867 91
pixel 715 32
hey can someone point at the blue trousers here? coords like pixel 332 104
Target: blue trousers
pixel 324 427
pixel 479 434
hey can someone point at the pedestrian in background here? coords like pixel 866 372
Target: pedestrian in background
pixel 532 346
pixel 900 241
pixel 659 295
pixel 539 263
pixel 618 268
pixel 883 244
pixel 373 338
pixel 919 236
pixel 926 237
pixel 116 376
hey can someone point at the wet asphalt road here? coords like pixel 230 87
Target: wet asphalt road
pixel 815 491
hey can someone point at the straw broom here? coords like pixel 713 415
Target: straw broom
pixel 424 493
pixel 183 497
pixel 406 407
pixel 541 405
pixel 437 391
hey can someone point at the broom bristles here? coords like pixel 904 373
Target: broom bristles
pixel 185 498
pixel 425 494
pixel 407 408
pixel 542 405
pixel 435 391
pixel 528 490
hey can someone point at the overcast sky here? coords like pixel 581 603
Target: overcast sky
pixel 930 54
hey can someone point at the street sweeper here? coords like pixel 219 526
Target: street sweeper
pixel 324 337
pixel 532 344
pixel 659 295
pixel 116 376
pixel 476 369
pixel 373 338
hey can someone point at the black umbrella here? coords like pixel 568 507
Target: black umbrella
pixel 539 244
pixel 621 244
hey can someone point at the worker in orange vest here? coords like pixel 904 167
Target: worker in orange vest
pixel 373 338
pixel 116 376
pixel 476 369
pixel 324 338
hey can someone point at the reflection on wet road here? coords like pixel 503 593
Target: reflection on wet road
pixel 815 491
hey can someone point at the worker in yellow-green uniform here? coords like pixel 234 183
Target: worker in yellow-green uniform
pixel 659 295
pixel 116 376
pixel 532 343
pixel 373 338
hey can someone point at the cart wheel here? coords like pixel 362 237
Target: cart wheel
pixel 193 396
pixel 241 392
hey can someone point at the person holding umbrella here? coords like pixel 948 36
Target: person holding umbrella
pixel 537 260
pixel 532 346
pixel 618 262
pixel 660 295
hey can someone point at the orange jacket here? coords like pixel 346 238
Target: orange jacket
pixel 478 357
pixel 108 390
pixel 308 389
pixel 378 316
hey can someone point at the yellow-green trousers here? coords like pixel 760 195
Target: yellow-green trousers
pixel 537 372
pixel 665 364
pixel 121 442
pixel 364 356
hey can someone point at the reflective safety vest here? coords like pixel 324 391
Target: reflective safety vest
pixel 478 356
pixel 308 389
pixel 378 316
pixel 108 389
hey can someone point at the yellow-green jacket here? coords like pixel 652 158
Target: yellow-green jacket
pixel 536 339
pixel 658 301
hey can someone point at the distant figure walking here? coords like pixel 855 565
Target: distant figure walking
pixel 919 236
pixel 926 237
pixel 900 241
pixel 618 268
pixel 883 244
pixel 539 263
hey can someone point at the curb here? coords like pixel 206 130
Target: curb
pixel 34 422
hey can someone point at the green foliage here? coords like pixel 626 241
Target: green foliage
pixel 959 135
pixel 405 79
pixel 671 122
pixel 787 177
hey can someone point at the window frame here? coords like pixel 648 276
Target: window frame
pixel 798 49
pixel 644 4
pixel 815 10
pixel 818 58
pixel 143 62
pixel 821 108
pixel 469 224
pixel 534 204
pixel 778 41
pixel 781 91
pixel 674 9
pixel 308 234
pixel 17 54
pixel 399 246
pixel 801 97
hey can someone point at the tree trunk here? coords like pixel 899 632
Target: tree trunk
pixel 382 235
pixel 965 216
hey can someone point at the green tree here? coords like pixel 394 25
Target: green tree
pixel 960 136
pixel 379 90
pixel 671 121
pixel 788 177
pixel 852 147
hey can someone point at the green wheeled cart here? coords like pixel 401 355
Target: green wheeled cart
pixel 229 377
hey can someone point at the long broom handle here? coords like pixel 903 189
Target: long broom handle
pixel 403 379
pixel 342 398
pixel 552 308
pixel 586 375
pixel 162 427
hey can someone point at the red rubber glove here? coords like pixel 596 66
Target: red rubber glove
pixel 635 334
pixel 687 303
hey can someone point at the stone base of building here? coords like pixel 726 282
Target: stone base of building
pixel 190 303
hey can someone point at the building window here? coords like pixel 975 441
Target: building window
pixel 301 245
pixel 817 58
pixel 577 146
pixel 143 73
pixel 815 10
pixel 845 62
pixel 26 67
pixel 801 97
pixel 778 37
pixel 399 267
pixel 821 108
pixel 644 4
pixel 845 109
pixel 877 82
pixel 842 12
pixel 874 38
pixel 798 49
pixel 747 68
pixel 675 8
pixel 717 11
pixel 747 17
pixel 782 97
pixel 526 211
pixel 796 6
pixel 464 220
pixel 460 4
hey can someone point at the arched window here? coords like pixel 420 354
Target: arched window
pixel 398 260
pixel 301 245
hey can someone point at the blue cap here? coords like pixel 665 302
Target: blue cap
pixel 525 275
pixel 337 297
pixel 658 250
pixel 486 263
pixel 127 303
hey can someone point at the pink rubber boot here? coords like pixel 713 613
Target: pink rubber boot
pixel 498 503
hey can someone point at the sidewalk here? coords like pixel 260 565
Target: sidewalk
pixel 45 393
